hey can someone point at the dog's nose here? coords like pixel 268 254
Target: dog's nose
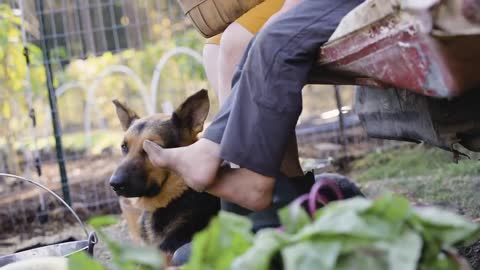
pixel 116 182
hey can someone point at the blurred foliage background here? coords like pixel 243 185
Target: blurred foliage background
pixel 13 96
pixel 77 65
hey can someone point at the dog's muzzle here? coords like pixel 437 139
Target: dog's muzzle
pixel 118 184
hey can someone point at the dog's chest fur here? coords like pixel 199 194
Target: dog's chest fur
pixel 174 225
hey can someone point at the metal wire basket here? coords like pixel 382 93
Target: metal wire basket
pixel 55 250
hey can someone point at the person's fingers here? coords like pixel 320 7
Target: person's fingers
pixel 153 151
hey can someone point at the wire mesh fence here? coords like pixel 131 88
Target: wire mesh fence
pixel 87 53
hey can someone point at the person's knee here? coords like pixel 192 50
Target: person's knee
pixel 270 41
pixel 289 4
pixel 210 63
pixel 209 51
pixel 235 40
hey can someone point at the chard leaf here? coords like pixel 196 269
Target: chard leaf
pixel 366 258
pixel 311 255
pixel 81 261
pixel 227 237
pixel 405 251
pixel 391 208
pixel 259 257
pixel 293 218
pixel 445 227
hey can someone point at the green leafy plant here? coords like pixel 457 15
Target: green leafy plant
pixel 228 233
pixel 387 233
pixel 124 256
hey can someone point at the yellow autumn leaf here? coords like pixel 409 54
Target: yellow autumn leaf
pixel 6 110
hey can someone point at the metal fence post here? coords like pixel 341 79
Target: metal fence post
pixel 53 104
pixel 341 123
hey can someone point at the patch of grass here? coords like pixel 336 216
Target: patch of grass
pixel 408 161
pixel 456 193
pixel 423 174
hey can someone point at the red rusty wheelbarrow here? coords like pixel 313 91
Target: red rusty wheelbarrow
pixel 403 51
pixel 425 55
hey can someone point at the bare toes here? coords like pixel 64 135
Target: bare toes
pixel 155 153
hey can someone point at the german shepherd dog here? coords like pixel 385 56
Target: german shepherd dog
pixel 172 212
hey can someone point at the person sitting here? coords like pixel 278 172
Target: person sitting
pixel 223 52
pixel 254 125
pixel 221 55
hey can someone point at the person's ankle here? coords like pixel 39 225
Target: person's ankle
pixel 260 203
pixel 261 198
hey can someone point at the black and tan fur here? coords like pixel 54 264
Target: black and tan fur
pixel 172 212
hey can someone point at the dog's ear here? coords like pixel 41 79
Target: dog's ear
pixel 125 114
pixel 193 112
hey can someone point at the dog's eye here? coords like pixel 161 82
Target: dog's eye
pixel 124 148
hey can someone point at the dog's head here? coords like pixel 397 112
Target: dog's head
pixel 136 176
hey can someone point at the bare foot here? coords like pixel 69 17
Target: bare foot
pixel 197 164
pixel 243 187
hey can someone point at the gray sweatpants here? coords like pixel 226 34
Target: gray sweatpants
pixel 254 125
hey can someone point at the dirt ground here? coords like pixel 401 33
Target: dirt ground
pixel 117 232
pixel 472 254
pixel 23 224
pixel 28 212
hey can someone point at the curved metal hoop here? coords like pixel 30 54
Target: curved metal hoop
pixel 53 194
